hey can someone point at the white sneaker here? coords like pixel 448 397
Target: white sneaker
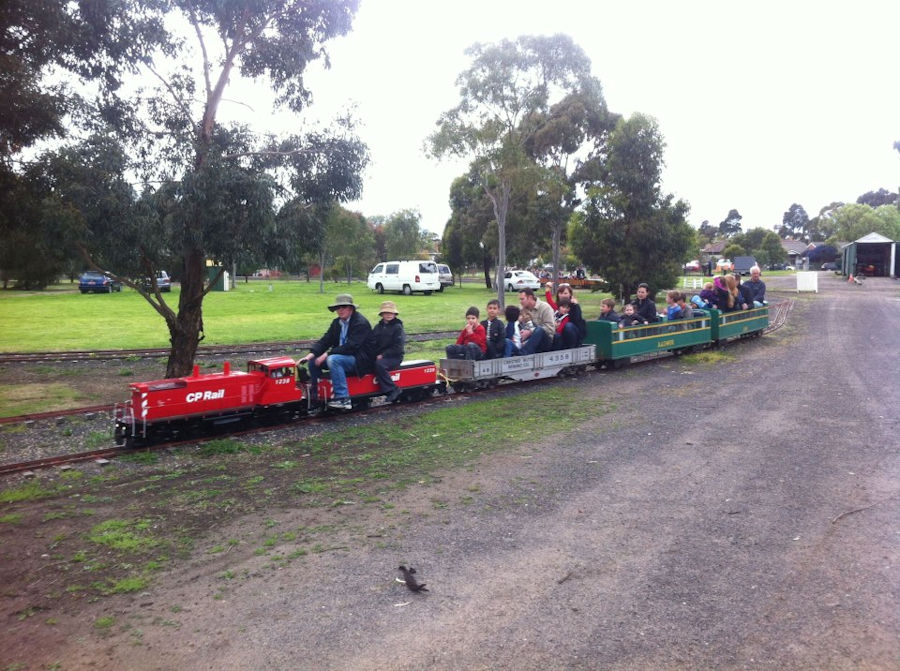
pixel 340 404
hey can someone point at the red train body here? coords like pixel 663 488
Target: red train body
pixel 269 388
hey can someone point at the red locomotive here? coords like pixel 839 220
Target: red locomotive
pixel 270 389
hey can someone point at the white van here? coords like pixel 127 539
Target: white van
pixel 405 276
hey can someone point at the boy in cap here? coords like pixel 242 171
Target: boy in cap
pixel 348 340
pixel 389 339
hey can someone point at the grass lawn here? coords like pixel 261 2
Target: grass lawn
pixel 61 318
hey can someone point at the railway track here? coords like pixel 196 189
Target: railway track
pixel 159 352
pixel 112 452
pixel 781 311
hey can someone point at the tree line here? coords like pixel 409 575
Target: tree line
pixel 113 156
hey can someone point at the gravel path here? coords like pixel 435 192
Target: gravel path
pixel 740 515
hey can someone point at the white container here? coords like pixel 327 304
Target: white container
pixel 807 281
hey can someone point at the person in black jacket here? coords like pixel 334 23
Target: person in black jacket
pixel 608 311
pixel 389 341
pixel 575 331
pixel 495 331
pixel 745 291
pixel 345 348
pixel 644 306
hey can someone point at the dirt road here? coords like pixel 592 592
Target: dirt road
pixel 740 515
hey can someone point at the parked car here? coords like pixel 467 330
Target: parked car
pixel 743 264
pixel 444 276
pixel 94 282
pixel 723 265
pixel 163 281
pixel 776 266
pixel 692 266
pixel 831 265
pixel 516 280
pixel 405 276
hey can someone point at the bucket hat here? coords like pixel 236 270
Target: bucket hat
pixel 342 299
pixel 388 306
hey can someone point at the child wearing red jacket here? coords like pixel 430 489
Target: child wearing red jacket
pixel 472 341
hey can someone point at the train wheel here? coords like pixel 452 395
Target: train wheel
pixel 361 403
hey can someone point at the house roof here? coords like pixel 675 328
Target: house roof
pixel 794 246
pixel 874 237
pixel 715 247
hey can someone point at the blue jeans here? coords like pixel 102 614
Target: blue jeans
pixel 538 341
pixel 567 339
pixel 339 365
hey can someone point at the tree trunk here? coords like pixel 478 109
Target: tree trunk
pixel 555 247
pixel 186 330
pixel 486 263
pixel 322 272
pixel 500 201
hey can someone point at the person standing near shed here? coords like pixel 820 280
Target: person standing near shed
pixel 345 348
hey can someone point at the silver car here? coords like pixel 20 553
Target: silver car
pixel 445 276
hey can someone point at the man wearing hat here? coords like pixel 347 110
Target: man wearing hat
pixel 348 340
pixel 389 340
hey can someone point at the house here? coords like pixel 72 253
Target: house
pixel 795 250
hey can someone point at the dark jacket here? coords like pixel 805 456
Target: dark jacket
pixel 611 316
pixel 388 339
pixel 576 318
pixel 631 320
pixel 722 301
pixel 646 309
pixel 496 338
pixel 746 295
pixel 358 344
pixel 756 289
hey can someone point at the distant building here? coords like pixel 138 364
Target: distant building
pixel 873 255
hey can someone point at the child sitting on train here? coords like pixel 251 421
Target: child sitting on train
pixel 687 311
pixel 513 337
pixel 608 311
pixel 707 298
pixel 494 330
pixel 563 339
pixel 472 342
pixel 673 311
pixel 631 317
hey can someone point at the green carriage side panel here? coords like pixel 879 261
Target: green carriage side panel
pixel 728 325
pixel 615 343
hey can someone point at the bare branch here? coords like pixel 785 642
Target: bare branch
pixel 206 66
pixel 272 152
pixel 178 101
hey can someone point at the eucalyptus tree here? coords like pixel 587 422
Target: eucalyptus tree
pixel 569 143
pixel 731 224
pixel 628 230
pixel 795 223
pixel 403 234
pixel 505 91
pixel 216 185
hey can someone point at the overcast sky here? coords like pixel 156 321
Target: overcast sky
pixel 761 104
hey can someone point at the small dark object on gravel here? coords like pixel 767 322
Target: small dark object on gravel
pixel 410 580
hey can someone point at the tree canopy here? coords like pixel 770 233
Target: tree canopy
pixel 211 190
pixel 508 88
pixel 628 230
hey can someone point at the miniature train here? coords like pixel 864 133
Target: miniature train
pixel 277 390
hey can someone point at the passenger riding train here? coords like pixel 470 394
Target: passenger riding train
pixel 276 389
